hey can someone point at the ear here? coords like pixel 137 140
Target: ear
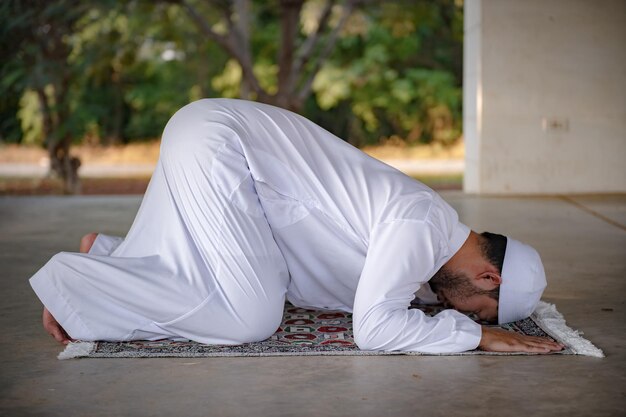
pixel 488 280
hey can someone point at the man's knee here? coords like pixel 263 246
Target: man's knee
pixel 181 132
pixel 261 322
pixel 194 131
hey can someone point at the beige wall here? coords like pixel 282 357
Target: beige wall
pixel 545 96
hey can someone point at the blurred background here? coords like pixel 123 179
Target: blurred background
pixel 488 96
pixel 86 87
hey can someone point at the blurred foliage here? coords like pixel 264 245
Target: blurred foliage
pixel 394 72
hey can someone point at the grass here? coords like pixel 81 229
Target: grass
pixel 134 153
pixel 138 185
pixel 442 182
pixel 398 150
pixel 147 153
pixel 90 186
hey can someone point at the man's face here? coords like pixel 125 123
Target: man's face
pixel 459 292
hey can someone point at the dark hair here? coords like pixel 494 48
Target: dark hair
pixel 493 247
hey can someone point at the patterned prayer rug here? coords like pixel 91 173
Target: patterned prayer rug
pixel 314 332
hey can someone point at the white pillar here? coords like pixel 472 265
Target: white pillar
pixel 545 96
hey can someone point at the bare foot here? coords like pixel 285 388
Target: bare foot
pixel 87 242
pixel 49 322
pixel 54 328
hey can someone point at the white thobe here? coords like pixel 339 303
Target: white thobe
pixel 250 203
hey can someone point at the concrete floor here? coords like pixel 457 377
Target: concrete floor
pixel 583 244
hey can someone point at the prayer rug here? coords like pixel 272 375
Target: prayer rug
pixel 316 332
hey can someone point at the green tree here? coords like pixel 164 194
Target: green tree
pixel 115 71
pixel 37 58
pixel 401 72
pixel 272 30
pixel 139 62
pixel 398 64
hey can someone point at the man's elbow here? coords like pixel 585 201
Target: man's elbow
pixel 371 330
pixel 366 339
pixel 363 341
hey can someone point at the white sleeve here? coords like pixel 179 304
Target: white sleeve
pixel 402 255
pixel 105 244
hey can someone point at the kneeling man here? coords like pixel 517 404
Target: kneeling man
pixel 250 205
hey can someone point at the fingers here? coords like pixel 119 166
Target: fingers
pixel 539 345
pixel 538 348
pixel 534 346
pixel 503 341
pixel 540 339
pixel 549 343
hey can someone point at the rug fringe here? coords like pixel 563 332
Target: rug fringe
pixel 553 322
pixel 76 350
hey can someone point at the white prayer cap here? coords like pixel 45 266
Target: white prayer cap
pixel 523 282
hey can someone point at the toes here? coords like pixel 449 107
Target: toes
pixel 87 241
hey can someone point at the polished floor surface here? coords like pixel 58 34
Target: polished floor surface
pixel 582 240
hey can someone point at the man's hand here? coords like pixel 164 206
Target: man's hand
pixel 498 340
pixel 54 328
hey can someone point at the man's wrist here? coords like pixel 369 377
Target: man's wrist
pixel 485 336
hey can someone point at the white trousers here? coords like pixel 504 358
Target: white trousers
pixel 199 261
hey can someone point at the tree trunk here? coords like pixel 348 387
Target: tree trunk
pixel 240 35
pixel 65 165
pixel 289 17
pixel 291 93
pixel 62 163
pixel 114 135
pixel 46 115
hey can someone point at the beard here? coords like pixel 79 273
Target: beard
pixel 454 285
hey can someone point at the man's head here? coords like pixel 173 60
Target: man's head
pixel 497 278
